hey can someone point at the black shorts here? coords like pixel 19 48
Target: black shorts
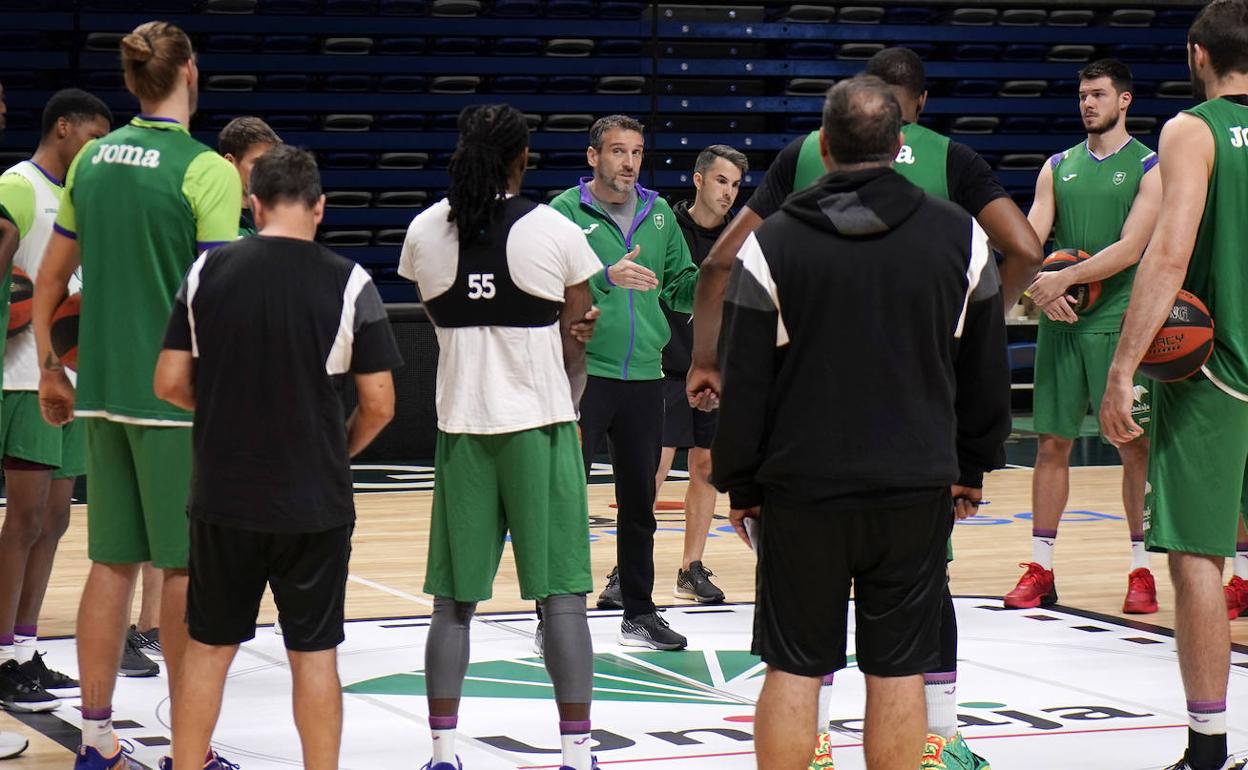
pixel 890 549
pixel 684 426
pixel 229 568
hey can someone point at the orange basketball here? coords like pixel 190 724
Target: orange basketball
pixel 1184 342
pixel 21 301
pixel 65 330
pixel 1085 294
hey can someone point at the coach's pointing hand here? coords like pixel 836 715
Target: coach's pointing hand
pixel 627 274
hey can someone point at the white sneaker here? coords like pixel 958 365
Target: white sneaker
pixel 12 744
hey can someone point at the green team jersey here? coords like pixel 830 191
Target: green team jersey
pixel 1218 271
pixel 142 203
pixel 1093 198
pixel 923 159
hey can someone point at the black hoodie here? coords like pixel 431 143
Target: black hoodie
pixel 863 350
pixel 678 354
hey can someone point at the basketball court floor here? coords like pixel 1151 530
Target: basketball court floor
pixel 1074 686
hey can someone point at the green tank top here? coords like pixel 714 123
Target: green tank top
pixel 1093 198
pixel 141 201
pixel 1218 272
pixel 923 159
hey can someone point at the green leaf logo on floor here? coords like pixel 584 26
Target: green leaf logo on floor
pixel 689 676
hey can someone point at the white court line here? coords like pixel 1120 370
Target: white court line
pixel 392 591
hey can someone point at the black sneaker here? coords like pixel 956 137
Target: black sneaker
pixel 149 642
pixel 48 679
pixel 651 631
pixel 133 661
pixel 695 583
pixel 611 597
pixel 1230 764
pixel 19 692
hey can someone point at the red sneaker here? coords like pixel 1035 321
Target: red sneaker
pixel 1141 593
pixel 1035 589
pixel 1236 598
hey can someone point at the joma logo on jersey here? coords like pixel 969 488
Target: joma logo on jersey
pixel 127 154
pixel 906 155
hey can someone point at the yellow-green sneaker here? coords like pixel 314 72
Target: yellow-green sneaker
pixel 823 753
pixel 951 754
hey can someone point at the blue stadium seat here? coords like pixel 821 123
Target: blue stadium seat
pixel 1025 52
pixel 977 16
pixel 1134 52
pixel 858 51
pixel 390 236
pixel 350 7
pixel 401 83
pixel 1023 88
pixel 619 48
pixel 348 199
pixel 559 160
pixel 104 80
pixel 1023 17
pixel 1070 17
pixel 620 84
pixel 1021 161
pixel 403 7
pixel 516 46
pixel 455 84
pixel 1172 53
pixel 572 47
pixel 516 84
pixel 20 40
pixel 860 14
pixel 909 15
pixel 103 41
pixel 404 160
pixel 1141 124
pixel 20 81
pixel 230 6
pixel 569 9
pixel 976 52
pixel 105 5
pixel 341 238
pixel 345 160
pixel 1066 124
pixel 446 122
pixel 569 84
pixel 455 46
pixel 619 9
pixel 1175 17
pixel 516 8
pixel 286 81
pixel 809 49
pixel 348 82
pixel 974 124
pixel 232 82
pixel 290 7
pixel 1132 17
pixel 974 88
pixel 801 124
pixel 401 46
pixel 402 122
pixel 289 43
pixel 347 46
pixel 291 122
pixel 230 43
pixel 1024 124
pixel 347 121
pixel 456 8
pixel 1063 88
pixel 1072 53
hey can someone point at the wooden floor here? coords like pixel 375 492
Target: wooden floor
pixel 1092 561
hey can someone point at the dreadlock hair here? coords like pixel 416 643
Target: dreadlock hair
pixel 491 137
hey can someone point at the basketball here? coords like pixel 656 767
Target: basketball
pixel 21 301
pixel 65 330
pixel 1184 342
pixel 1085 294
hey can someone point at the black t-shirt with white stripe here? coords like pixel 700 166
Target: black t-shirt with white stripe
pixel 274 324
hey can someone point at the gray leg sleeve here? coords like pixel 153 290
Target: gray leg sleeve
pixel 446 649
pixel 569 652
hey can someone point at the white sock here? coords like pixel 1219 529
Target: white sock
pixel 8 652
pixel 941 693
pixel 444 746
pixel 1042 542
pixel 98 733
pixel 825 703
pixel 1241 561
pixel 1139 556
pixel 576 751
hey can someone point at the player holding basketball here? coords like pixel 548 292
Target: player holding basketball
pixel 1100 196
pixel 1200 425
pixel 505 281
pixel 139 204
pixel 241 142
pixel 40 461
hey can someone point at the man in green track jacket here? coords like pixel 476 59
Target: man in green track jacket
pixel 645 259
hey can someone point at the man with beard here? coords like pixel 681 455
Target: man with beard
pixel 717 177
pixel 634 233
pixel 1200 425
pixel 1102 197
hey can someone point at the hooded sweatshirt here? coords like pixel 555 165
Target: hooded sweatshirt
pixel 864 349
pixel 678 355
pixel 632 330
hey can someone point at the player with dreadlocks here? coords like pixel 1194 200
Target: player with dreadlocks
pixel 505 282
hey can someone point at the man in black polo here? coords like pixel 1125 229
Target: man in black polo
pixel 863 401
pixel 260 357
